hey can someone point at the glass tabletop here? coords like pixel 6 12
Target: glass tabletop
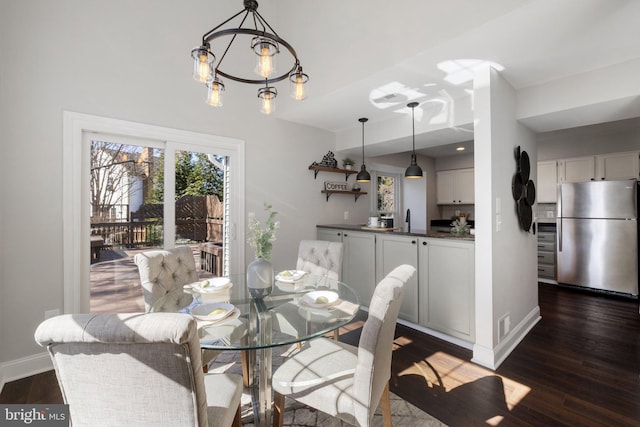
pixel 296 310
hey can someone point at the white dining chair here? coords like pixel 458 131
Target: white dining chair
pixel 320 258
pixel 164 270
pixel 141 369
pixel 341 380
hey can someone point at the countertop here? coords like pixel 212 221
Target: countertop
pixel 417 233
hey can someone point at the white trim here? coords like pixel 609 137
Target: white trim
pixel 437 334
pixel 24 367
pixel 493 358
pixel 75 161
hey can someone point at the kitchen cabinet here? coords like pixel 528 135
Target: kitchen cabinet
pixel 447 287
pixel 611 166
pixel 392 251
pixel 455 187
pixel 577 169
pixel 618 166
pixel 358 259
pixel 547 186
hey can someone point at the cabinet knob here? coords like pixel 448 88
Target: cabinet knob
pixel 345 234
pixel 413 242
pixel 339 234
pixel 424 243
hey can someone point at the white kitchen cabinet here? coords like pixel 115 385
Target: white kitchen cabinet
pixel 547 185
pixel 577 169
pixel 454 187
pixel 358 259
pixel 392 251
pixel 447 286
pixel 329 234
pixel 618 166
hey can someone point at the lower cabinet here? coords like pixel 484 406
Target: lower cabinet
pixel 392 251
pixel 358 259
pixel 447 287
pixel 441 296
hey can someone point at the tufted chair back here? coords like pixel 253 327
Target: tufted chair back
pixel 320 258
pixel 164 270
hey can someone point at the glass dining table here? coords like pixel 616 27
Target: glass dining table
pixel 298 309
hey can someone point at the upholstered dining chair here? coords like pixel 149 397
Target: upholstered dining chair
pixel 163 270
pixel 140 369
pixel 341 380
pixel 320 258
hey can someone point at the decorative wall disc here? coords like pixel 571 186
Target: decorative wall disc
pixel 523 190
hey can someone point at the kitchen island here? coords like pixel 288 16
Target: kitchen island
pixel 440 298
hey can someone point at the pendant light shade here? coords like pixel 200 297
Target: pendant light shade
pixel 363 175
pixel 413 171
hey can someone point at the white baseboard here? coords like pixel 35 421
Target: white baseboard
pixel 493 358
pixel 24 367
pixel 440 335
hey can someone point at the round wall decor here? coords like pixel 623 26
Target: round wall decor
pixel 523 190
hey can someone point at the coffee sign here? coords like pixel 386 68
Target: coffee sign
pixel 336 186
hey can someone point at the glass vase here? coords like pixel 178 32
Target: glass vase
pixel 259 278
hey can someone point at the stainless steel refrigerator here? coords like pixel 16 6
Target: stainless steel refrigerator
pixel 597 232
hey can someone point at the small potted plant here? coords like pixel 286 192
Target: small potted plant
pixel 348 163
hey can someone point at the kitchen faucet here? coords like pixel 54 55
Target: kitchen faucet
pixel 408 220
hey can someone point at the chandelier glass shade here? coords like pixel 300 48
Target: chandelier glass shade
pixel 264 43
pixel 363 175
pixel 413 171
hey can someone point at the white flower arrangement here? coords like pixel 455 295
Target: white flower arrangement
pixel 261 240
pixel 460 225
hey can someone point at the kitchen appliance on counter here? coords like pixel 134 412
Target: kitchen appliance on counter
pixel 597 235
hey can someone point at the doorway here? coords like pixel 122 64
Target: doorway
pixel 119 177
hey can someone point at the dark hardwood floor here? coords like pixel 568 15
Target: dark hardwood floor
pixel 579 366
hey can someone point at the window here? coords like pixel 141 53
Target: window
pixel 387 188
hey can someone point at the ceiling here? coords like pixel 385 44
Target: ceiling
pixel 369 58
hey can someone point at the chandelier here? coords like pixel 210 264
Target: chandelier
pixel 266 45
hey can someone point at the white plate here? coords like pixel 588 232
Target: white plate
pixel 311 299
pixel 290 276
pixel 215 284
pixel 203 311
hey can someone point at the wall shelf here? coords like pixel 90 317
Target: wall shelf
pixel 355 193
pixel 318 168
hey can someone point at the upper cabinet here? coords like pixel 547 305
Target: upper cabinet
pixel 455 187
pixel 578 169
pixel 603 167
pixel 547 182
pixel 618 166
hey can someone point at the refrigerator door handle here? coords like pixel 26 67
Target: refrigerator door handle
pixel 559 218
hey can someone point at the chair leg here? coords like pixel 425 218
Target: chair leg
pixel 385 406
pixel 237 420
pixel 278 409
pixel 246 376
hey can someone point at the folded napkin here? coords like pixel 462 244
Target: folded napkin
pixel 339 305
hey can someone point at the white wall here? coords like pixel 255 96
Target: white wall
pixel 126 60
pixel 506 276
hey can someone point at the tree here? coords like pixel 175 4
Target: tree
pixel 114 168
pixel 195 175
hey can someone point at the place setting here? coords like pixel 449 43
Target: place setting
pixel 216 289
pixel 290 280
pixel 322 305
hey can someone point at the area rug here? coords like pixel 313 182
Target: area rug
pixel 404 414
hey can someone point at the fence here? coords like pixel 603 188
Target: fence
pixel 198 218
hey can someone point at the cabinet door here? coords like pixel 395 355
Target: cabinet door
pixel 618 166
pixel 547 186
pixel 447 287
pixel 329 234
pixel 358 263
pixel 445 187
pixel 578 169
pixel 392 251
pixel 464 190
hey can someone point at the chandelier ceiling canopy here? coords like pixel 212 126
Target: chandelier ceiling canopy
pixel 264 42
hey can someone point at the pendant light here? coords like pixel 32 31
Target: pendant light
pixel 413 171
pixel 363 175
